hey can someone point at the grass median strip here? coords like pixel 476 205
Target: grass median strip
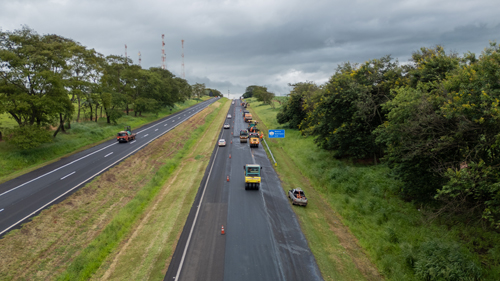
pixel 87 226
pixel 148 250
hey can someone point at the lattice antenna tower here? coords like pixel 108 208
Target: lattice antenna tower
pixel 163 51
pixel 183 69
pixel 139 58
pixel 125 51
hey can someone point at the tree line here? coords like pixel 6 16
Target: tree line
pixel 260 93
pixel 49 81
pixel 435 121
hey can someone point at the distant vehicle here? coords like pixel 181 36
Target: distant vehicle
pixel 226 126
pixel 252 176
pixel 126 135
pixel 245 112
pixel 243 136
pixel 232 102
pixel 222 142
pixel 298 197
pixel 229 116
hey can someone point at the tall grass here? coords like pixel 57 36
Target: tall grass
pixel 91 258
pixel 14 161
pixel 400 237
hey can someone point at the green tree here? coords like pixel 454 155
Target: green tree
pixel 198 90
pixel 32 69
pixel 298 104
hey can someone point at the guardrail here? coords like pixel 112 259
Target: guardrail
pixel 275 163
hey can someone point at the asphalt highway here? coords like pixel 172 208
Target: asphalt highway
pixel 25 196
pixel 262 240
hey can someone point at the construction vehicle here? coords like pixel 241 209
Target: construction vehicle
pixel 248 117
pixel 126 135
pixel 243 136
pixel 252 126
pixel 254 139
pixel 245 112
pixel 252 176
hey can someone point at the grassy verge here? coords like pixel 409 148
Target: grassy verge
pixel 70 240
pixel 402 240
pixel 15 162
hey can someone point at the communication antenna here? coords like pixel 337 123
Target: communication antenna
pixel 183 69
pixel 125 50
pixel 163 51
pixel 139 58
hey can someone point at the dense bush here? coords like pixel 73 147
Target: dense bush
pixel 27 137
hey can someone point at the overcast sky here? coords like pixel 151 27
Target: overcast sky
pixel 230 45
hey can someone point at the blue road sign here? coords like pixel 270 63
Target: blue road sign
pixel 277 134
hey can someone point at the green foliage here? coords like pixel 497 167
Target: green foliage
pixel 442 138
pixel 298 105
pixel 44 78
pixel 28 137
pixel 351 107
pixel 439 260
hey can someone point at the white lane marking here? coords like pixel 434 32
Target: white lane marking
pixel 74 161
pixel 132 141
pixel 173 121
pixel 108 154
pixel 1 210
pixel 156 130
pixel 68 175
pixel 96 174
pixel 196 216
pixel 146 135
pixel 179 118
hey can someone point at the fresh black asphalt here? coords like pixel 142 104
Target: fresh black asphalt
pixel 25 196
pixel 263 239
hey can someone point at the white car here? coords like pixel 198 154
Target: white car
pixel 229 116
pixel 232 102
pixel 226 126
pixel 222 142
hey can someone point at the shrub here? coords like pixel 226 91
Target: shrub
pixel 437 260
pixel 27 137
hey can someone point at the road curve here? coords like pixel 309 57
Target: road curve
pixel 24 197
pixel 263 239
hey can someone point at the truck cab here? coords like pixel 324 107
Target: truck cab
pixel 252 176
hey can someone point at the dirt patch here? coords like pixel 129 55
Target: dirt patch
pixel 43 248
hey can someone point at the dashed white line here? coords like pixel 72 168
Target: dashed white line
pixel 108 154
pixel 165 125
pixel 146 135
pixel 132 142
pixel 156 130
pixel 173 121
pixel 1 210
pixel 55 170
pixel 68 175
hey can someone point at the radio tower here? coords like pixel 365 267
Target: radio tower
pixel 139 58
pixel 163 51
pixel 183 72
pixel 125 50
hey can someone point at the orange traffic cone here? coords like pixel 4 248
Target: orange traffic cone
pixel 227 178
pixel 229 156
pixel 222 231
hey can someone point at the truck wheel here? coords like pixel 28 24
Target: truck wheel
pixel 257 186
pixel 246 186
